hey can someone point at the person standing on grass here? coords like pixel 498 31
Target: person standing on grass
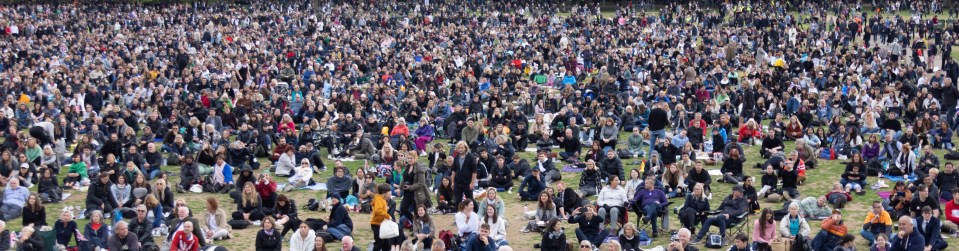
pixel 464 172
pixel 658 119
pixel 379 215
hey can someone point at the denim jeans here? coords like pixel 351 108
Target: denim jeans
pixel 654 136
pixel 869 236
pixel 596 240
pixel 718 220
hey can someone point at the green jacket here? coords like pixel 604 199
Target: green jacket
pixel 80 168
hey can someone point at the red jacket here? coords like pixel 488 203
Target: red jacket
pixel 746 131
pixel 265 190
pixel 183 241
pixel 952 211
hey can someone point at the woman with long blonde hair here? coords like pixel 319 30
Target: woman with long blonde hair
pixel 249 206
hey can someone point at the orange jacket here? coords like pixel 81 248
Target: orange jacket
pixel 830 224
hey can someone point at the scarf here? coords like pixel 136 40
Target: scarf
pixel 555 234
pixel 218 173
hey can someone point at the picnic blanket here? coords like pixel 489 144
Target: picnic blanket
pixel 895 179
pixel 317 187
pixel 572 168
pixel 884 194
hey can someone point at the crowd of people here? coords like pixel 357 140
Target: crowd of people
pixel 142 104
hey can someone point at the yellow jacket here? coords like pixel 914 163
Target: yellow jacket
pixel 379 210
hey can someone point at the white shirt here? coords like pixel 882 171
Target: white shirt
pixel 463 225
pixel 612 196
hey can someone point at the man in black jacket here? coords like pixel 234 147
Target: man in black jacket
pixel 567 199
pixel 732 207
pixel 589 225
pixel 658 119
pixel 571 146
pixel 455 122
pixel 611 165
pixel 947 180
pixel 142 227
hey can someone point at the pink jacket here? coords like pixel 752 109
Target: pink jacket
pixel 764 236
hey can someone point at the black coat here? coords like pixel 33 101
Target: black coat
pixel 558 243
pixel 271 242
pixel 339 216
pixel 99 193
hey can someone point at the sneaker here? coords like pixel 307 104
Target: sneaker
pixel 179 188
pixel 696 240
pixel 510 190
pixel 524 230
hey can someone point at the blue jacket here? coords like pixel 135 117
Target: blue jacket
pixel 532 185
pixel 913 242
pixel 475 244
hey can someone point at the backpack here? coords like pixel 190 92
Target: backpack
pixel 714 241
pixel 827 153
pixel 873 167
pixel 951 155
pixel 312 205
pixel 238 224
pixel 800 244
pixel 53 194
pixel 448 238
pixel 624 154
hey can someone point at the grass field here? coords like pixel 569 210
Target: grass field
pixel 818 183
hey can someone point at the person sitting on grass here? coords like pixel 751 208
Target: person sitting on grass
pixel 853 177
pixel 832 230
pixel 931 229
pixel 249 206
pixel 545 211
pixel 14 198
pixel 878 222
pixel 907 236
pixel 77 174
pixel 793 225
pixel 589 225
pixel 741 243
pixel 532 186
